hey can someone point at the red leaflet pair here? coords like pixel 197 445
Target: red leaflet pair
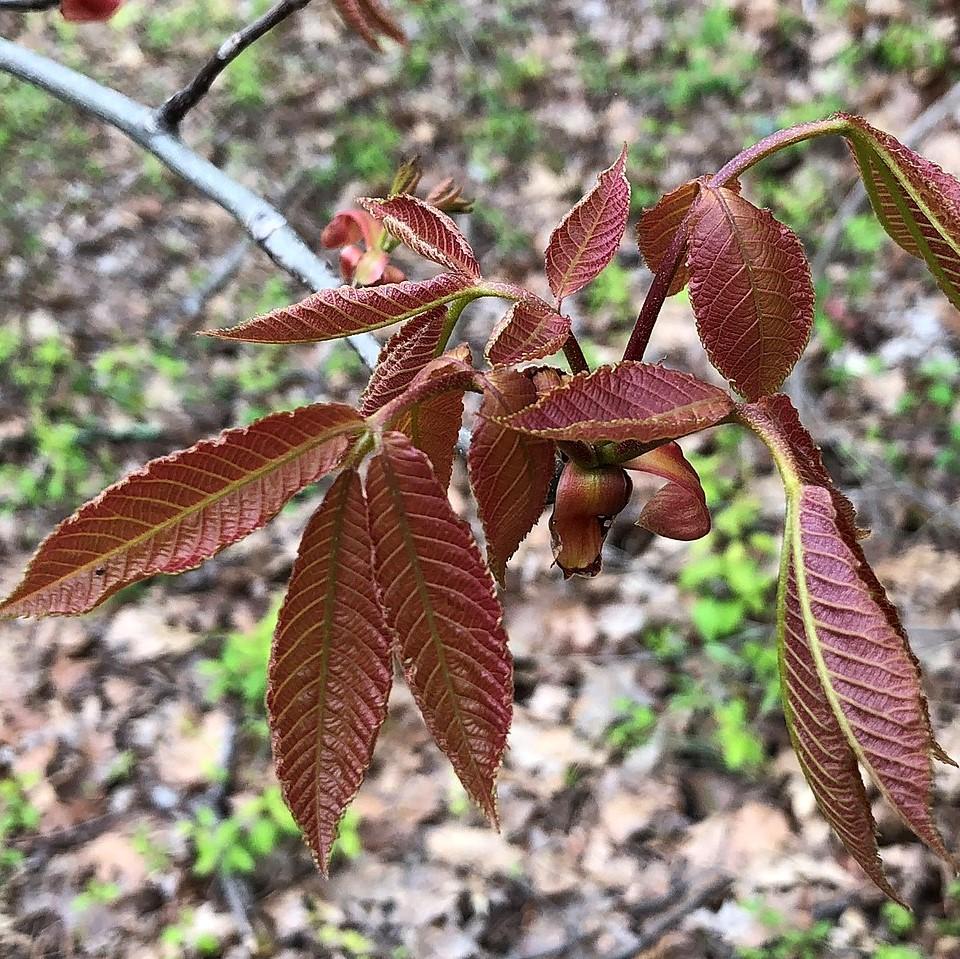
pixel 386 569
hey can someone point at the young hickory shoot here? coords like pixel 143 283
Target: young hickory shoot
pixel 387 569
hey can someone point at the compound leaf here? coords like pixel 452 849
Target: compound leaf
pixel 440 601
pixel 332 314
pixel 917 202
pixel 406 353
pixel 510 472
pixel 330 668
pixel 751 291
pixel 588 237
pixel 630 401
pixel 426 230
pixel 852 685
pixel 182 509
pixel 531 330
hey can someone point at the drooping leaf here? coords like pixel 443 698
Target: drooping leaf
pixel 369 19
pixel 657 227
pixel 630 401
pixel 751 291
pixel 426 230
pixel 182 509
pixel 531 330
pixel 917 202
pixel 852 685
pixel 440 601
pixel 679 509
pixel 510 473
pixel 587 238
pixel 330 669
pixel 332 314
pixel 406 353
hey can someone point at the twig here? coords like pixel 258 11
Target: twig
pixel 711 890
pixel 266 225
pixel 170 115
pixel 25 6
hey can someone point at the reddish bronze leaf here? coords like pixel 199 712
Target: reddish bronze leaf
pixel 531 330
pixel 751 291
pixel 332 314
pixel 330 668
pixel 630 401
pixel 917 202
pixel 588 237
pixel 426 230
pixel 369 19
pixel 407 352
pixel 852 685
pixel 439 597
pixel 182 509
pixel 679 509
pixel 510 472
pixel 658 225
pixel 88 11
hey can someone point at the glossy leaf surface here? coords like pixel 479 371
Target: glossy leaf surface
pixel 917 202
pixel 751 291
pixel 510 473
pixel 588 237
pixel 630 401
pixel 851 683
pixel 439 597
pixel 331 668
pixel 679 509
pixel 182 509
pixel 426 230
pixel 332 314
pixel 531 330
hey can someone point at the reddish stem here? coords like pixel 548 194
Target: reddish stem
pixel 574 354
pixel 657 293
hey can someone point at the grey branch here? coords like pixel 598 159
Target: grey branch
pixel 24 6
pixel 265 224
pixel 182 102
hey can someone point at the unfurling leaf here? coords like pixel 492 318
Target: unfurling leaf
pixel 369 20
pixel 531 330
pixel 182 509
pixel 679 509
pixel 917 202
pixel 852 689
pixel 751 291
pixel 332 314
pixel 407 352
pixel 430 410
pixel 588 237
pixel 88 11
pixel 588 498
pixel 630 401
pixel 510 473
pixel 440 601
pixel 330 668
pixel 351 226
pixel 657 227
pixel 426 231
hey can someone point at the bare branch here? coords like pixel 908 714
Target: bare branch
pixel 265 224
pixel 181 103
pixel 27 5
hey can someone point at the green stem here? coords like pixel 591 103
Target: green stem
pixel 453 315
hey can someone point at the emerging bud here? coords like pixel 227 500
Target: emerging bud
pixel 447 196
pixel 588 497
pixel 545 378
pixel 407 177
pixel 85 11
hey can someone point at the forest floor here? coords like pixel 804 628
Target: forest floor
pixel 650 802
